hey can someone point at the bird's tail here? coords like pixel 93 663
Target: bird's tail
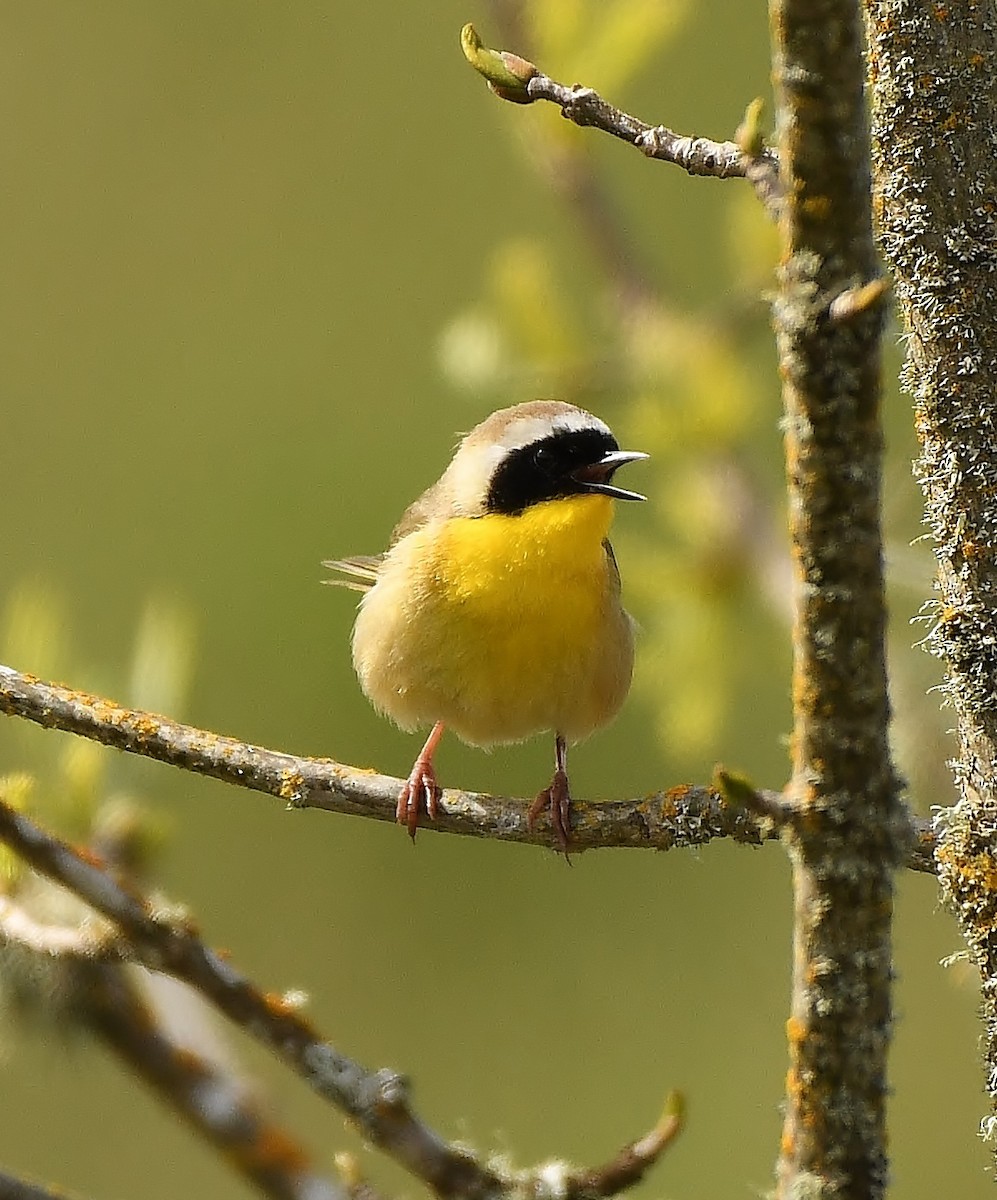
pixel 360 571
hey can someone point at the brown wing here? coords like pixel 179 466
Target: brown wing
pixel 433 501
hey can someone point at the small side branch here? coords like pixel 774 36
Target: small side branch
pixel 633 1161
pixel 514 78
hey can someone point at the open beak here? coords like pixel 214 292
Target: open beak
pixel 598 476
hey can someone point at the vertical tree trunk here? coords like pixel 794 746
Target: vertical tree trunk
pixel 846 838
pixel 933 68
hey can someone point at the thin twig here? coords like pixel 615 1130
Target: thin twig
pixel 514 78
pixel 695 155
pixel 377 1101
pixel 680 817
pixel 631 1164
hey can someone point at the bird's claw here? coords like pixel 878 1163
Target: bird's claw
pixel 421 792
pixel 555 799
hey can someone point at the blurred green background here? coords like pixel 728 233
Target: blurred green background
pixel 261 263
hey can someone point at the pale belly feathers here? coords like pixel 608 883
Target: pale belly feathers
pixel 500 626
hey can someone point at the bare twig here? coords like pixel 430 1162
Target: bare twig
pixel 683 816
pixel 630 1165
pixel 377 1101
pixel 848 837
pixel 218 1106
pixel 513 78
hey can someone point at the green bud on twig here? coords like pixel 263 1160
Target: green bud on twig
pixel 749 136
pixel 507 73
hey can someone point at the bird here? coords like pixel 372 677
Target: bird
pixel 496 610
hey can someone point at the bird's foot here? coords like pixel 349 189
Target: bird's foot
pixel 420 793
pixel 556 799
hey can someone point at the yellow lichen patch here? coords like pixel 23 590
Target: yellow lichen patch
pixel 86 699
pixel 279 1004
pixel 188 1060
pixel 975 873
pixel 274 1149
pixel 146 725
pixel 90 856
pixel 794 1091
pixel 818 207
pixel 674 797
pixel 796 1030
pixel 292 786
pixel 787 1143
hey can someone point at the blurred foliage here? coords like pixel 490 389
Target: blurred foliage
pixel 689 388
pixel 695 389
pixel 84 790
pixel 603 45
pixel 78 789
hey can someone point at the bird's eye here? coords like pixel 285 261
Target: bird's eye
pixel 544 457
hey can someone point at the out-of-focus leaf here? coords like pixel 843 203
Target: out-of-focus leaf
pixel 753 240
pixel 530 303
pixel 556 26
pixel 622 40
pixel 34 630
pixel 472 351
pixel 163 659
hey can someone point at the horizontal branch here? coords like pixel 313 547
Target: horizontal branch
pixel 514 78
pixel 377 1101
pixel 683 816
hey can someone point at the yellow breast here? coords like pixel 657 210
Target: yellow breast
pixel 500 626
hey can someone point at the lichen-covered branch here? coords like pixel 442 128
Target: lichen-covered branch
pixel 848 838
pixel 377 1101
pixel 514 78
pixel 680 817
pixel 934 125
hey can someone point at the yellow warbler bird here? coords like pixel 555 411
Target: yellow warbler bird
pixel 496 610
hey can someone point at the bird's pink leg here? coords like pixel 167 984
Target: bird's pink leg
pixel 421 789
pixel 556 798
